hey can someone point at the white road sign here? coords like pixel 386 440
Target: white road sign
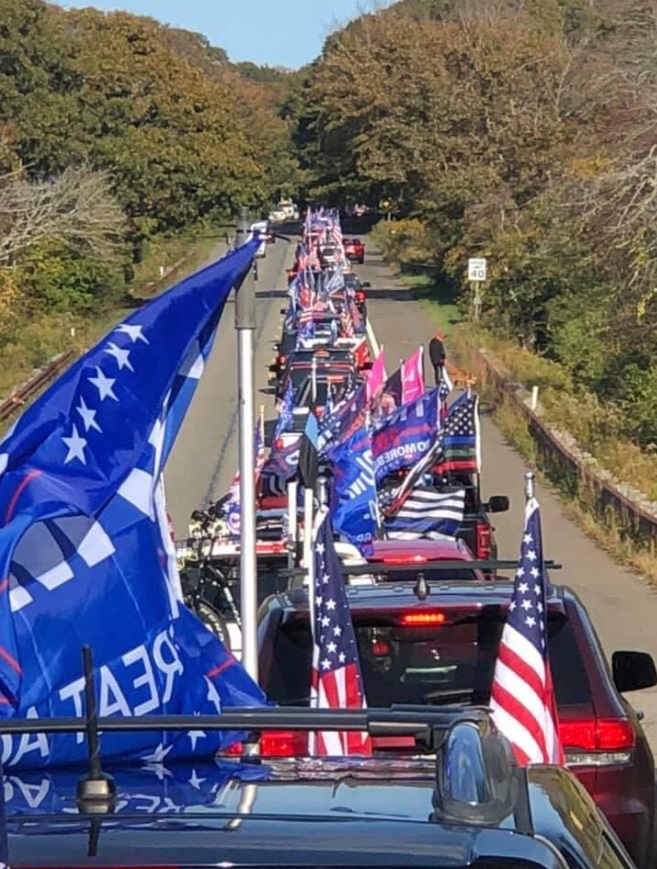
pixel 477 269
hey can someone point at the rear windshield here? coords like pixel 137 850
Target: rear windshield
pixel 269 580
pixel 452 662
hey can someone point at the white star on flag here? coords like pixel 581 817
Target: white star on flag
pixel 103 384
pixel 122 356
pixel 88 415
pixel 75 445
pixel 134 332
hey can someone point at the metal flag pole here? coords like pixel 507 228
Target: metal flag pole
pixel 530 477
pixel 292 524
pixel 245 324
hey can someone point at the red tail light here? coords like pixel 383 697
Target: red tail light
pixel 597 741
pixel 275 743
pixel 421 619
pixel 360 296
pixel 283 743
pixel 403 559
pixel 483 541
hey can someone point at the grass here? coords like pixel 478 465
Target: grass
pixel 438 301
pixel 625 460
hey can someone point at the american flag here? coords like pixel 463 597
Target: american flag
pixel 522 697
pixel 427 514
pixel 456 448
pixel 336 681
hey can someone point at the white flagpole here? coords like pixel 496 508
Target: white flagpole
pixel 292 524
pixel 245 324
pixel 308 559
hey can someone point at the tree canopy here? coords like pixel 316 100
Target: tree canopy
pixel 523 132
pixel 115 129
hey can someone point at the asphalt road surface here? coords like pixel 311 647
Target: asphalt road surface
pixel 204 458
pixel 623 607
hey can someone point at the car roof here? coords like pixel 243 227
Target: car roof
pixel 393 595
pixel 352 812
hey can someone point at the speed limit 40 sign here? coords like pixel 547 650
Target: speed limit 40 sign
pixel 477 269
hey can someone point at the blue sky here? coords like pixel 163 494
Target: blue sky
pixel 274 32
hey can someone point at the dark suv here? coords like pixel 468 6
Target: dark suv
pixel 467 807
pixel 443 649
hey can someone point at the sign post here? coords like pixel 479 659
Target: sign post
pixel 477 274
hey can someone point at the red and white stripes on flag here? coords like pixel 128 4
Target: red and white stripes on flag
pixel 522 696
pixel 335 680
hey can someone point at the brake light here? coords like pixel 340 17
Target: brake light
pixel 597 741
pixel 380 648
pixel 404 559
pixel 360 296
pixel 283 743
pixel 419 619
pixel 483 540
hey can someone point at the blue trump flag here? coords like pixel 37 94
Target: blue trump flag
pixel 354 503
pixel 286 415
pixel 85 546
pixel 403 438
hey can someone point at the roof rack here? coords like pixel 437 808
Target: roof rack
pixel 404 567
pixel 486 790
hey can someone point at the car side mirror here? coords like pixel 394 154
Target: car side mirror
pixel 633 671
pixel 498 504
pixel 367 285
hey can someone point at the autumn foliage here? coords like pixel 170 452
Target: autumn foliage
pixel 524 132
pixel 116 130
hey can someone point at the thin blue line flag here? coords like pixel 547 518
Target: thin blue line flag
pixel 84 544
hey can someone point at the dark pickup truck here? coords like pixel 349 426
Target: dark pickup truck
pixel 477 530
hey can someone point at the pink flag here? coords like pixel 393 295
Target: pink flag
pixel 412 375
pixel 377 376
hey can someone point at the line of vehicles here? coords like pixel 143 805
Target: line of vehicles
pixel 442 788
pixel 428 616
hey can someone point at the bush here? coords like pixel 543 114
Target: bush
pixel 62 282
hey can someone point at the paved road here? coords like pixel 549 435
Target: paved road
pixel 623 607
pixel 204 458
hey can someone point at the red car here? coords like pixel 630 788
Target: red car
pixel 354 250
pixel 441 647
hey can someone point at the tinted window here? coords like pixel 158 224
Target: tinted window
pixel 425 665
pixel 269 581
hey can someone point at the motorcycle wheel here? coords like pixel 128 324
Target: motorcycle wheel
pixel 214 623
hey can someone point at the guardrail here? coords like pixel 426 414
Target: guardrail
pixel 27 392
pixel 559 456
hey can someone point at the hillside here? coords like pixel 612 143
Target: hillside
pixel 522 132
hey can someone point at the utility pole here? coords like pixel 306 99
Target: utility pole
pixel 245 324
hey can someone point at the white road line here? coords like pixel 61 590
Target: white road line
pixel 376 349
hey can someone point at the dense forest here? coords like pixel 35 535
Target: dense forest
pixel 115 130
pixel 522 131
